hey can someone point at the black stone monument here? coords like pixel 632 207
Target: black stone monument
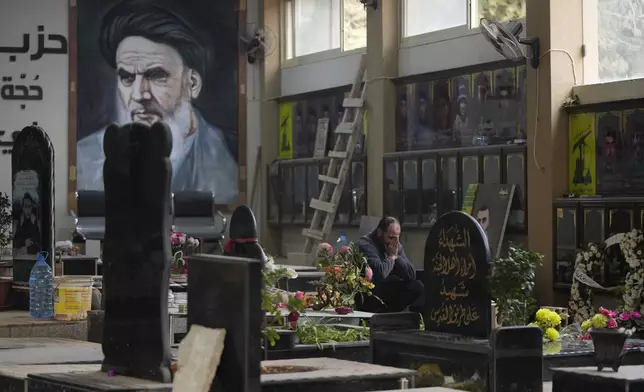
pixel 225 292
pixel 136 250
pixel 243 236
pixel 32 167
pixel 457 261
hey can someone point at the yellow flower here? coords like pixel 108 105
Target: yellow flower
pixel 551 334
pixel 554 319
pixel 585 326
pixel 542 314
pixel 599 321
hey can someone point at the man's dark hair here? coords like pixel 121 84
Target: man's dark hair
pixel 26 197
pixel 159 21
pixel 386 222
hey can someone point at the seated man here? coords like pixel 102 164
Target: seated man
pixel 393 274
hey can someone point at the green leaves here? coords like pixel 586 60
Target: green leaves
pixel 511 283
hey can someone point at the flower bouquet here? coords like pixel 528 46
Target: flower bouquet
pixel 549 321
pixel 181 245
pixel 346 275
pixel 609 329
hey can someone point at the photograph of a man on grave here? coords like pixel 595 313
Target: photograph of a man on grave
pixel 27 227
pixel 482 216
pixel 396 287
pixel 159 60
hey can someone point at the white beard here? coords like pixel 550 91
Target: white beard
pixel 179 123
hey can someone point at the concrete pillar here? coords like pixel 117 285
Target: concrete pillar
pixel 383 38
pixel 559 26
pixel 270 81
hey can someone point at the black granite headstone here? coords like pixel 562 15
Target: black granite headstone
pixel 225 292
pixel 136 253
pixel 32 166
pixel 457 260
pixel 517 360
pixel 243 235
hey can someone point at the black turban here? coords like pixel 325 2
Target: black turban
pixel 160 21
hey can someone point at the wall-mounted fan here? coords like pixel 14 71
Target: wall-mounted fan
pixel 259 44
pixel 507 41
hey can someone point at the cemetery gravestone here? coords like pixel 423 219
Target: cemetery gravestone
pixel 457 261
pixel 243 235
pixel 32 165
pixel 136 255
pixel 225 292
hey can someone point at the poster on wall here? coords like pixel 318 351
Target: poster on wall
pixel 461 92
pixel 34 85
pixel 161 60
pixel 581 153
pixel 422 137
pixel 285 142
pixel 442 114
pixel 609 145
pixel 633 152
pixel 403 123
pixel 482 109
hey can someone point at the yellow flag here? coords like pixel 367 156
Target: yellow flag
pixel 285 142
pixel 581 154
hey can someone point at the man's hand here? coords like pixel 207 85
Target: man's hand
pixel 392 248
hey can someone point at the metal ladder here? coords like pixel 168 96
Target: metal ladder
pixel 348 132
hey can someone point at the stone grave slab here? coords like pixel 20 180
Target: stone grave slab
pixel 136 253
pixel 328 374
pixel 32 167
pixel 457 262
pixel 91 381
pixel 225 292
pixel 33 351
pixel 584 379
pixel 13 378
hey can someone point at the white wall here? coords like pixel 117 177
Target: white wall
pixel 23 17
pixel 319 75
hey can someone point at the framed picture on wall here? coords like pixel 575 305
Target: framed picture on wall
pixel 461 107
pixel 442 113
pixel 192 85
pixel 403 123
pixel 613 151
pixel 422 137
pixel 634 149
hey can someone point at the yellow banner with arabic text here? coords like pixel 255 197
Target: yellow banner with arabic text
pixel 582 178
pixel 285 142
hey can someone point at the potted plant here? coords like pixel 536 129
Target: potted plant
pixel 511 283
pixel 5 222
pixel 278 334
pixel 608 330
pixel 181 245
pixel 346 275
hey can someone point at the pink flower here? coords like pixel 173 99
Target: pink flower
pixel 613 314
pixel 605 312
pixel 636 315
pixel 281 305
pixel 624 316
pixel 611 323
pixel 325 246
pixel 299 295
pixel 368 274
pixel 344 249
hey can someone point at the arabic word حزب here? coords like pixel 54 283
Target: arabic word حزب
pixel 59 46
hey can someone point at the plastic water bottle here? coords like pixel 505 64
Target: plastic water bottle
pixel 342 241
pixel 41 289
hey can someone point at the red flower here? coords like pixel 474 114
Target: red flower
pixel 299 295
pixel 293 317
pixel 368 274
pixel 293 324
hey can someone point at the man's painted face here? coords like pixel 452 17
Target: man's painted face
pixel 402 106
pixel 462 108
pixel 152 79
pixel 422 108
pixel 483 218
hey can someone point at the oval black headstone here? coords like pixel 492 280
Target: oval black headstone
pixel 457 261
pixel 32 167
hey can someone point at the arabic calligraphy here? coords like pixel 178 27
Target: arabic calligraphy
pixel 20 92
pixel 459 290
pixel 59 46
pixel 454 265
pixel 454 238
pixel 454 314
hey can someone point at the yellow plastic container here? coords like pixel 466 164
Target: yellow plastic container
pixel 72 297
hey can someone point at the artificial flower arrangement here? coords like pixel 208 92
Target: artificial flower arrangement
pixel 626 322
pixel 181 245
pixel 632 247
pixel 274 299
pixel 346 275
pixel 549 321
pixel 588 261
